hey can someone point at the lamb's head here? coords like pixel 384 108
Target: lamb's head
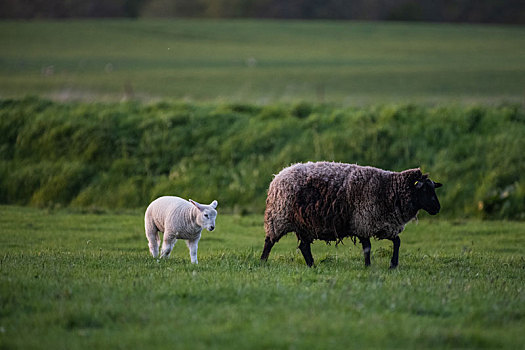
pixel 207 215
pixel 425 196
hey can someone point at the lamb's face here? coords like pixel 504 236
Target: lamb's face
pixel 207 216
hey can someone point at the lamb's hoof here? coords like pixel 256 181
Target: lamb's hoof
pixel 392 266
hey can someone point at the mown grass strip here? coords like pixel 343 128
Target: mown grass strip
pixel 71 280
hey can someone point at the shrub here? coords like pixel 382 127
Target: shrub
pixel 124 155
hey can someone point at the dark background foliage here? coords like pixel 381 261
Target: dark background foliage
pixel 488 11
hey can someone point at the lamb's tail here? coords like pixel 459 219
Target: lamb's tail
pixel 152 234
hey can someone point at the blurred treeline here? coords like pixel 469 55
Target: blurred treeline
pixel 123 155
pixel 487 11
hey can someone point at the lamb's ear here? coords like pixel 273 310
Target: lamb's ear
pixel 437 185
pixel 214 204
pixel 196 204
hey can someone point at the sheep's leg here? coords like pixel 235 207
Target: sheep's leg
pixel 307 253
pixel 395 257
pixel 367 247
pixel 193 245
pixel 152 234
pixel 167 244
pixel 268 245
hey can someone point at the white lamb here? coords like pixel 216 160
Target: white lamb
pixel 177 219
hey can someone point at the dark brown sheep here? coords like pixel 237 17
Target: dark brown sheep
pixel 331 201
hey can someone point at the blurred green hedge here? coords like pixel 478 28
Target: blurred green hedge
pixel 123 155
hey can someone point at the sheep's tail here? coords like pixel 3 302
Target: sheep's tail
pixel 269 227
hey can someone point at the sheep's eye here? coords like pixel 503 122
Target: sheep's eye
pixel 206 216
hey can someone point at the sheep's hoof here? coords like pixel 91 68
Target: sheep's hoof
pixel 393 266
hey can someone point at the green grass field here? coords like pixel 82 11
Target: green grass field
pixel 250 61
pixel 222 106
pixel 72 280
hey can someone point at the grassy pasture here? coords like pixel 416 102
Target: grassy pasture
pixel 262 62
pixel 72 280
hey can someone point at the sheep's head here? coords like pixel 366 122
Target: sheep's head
pixel 207 215
pixel 425 195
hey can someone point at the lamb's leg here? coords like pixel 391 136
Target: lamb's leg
pixel 152 234
pixel 367 247
pixel 395 257
pixel 167 244
pixel 307 253
pixel 268 244
pixel 193 246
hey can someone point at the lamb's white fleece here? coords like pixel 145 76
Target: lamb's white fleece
pixel 177 218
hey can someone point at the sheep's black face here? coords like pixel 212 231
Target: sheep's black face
pixel 426 195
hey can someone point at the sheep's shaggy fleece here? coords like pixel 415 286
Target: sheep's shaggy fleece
pixel 330 201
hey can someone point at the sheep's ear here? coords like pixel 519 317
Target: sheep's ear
pixel 196 204
pixel 214 204
pixel 437 185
